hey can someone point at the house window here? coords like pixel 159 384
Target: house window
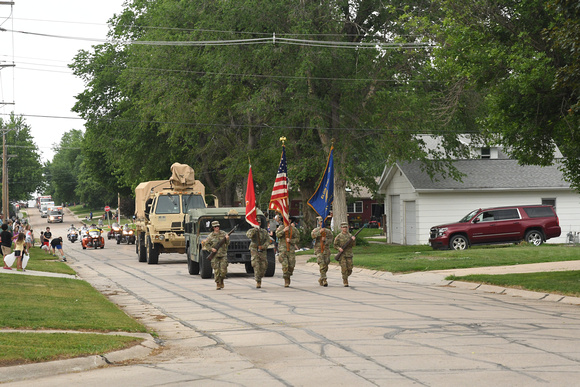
pixel 549 202
pixel 355 207
pixel 486 153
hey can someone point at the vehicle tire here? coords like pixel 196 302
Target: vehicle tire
pixel 192 266
pixel 459 242
pixel 118 241
pixel 84 247
pixel 141 249
pixel 152 253
pixel 109 236
pixel 534 237
pixel 249 268
pixel 271 257
pixel 204 265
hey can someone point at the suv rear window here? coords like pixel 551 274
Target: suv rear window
pixel 539 212
pixel 494 215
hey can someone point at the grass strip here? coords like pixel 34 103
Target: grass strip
pixel 558 282
pixel 41 261
pixel 21 348
pixel 30 302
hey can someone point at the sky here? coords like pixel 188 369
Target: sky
pixel 40 85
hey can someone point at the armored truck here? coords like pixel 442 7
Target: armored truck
pixel 198 226
pixel 160 209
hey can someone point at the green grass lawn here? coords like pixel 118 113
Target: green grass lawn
pixel 40 303
pixel 41 261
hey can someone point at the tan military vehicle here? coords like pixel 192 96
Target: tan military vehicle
pixel 160 208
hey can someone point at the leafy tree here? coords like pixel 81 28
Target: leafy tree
pixel 515 66
pixel 24 166
pixel 149 105
pixel 65 167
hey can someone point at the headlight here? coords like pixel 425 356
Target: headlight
pixel 161 237
pixel 441 231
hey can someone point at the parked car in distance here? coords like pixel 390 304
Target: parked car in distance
pixel 531 223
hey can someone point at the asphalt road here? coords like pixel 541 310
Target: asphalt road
pixel 382 331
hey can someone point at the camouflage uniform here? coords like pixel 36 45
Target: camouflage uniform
pixel 346 257
pixel 259 238
pixel 322 250
pixel 219 263
pixel 287 251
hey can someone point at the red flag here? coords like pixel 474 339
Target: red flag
pixel 279 199
pixel 251 215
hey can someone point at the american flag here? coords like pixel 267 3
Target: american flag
pixel 279 199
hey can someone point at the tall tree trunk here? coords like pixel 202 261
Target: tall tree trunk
pixel 339 213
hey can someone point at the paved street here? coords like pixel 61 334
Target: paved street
pixel 382 331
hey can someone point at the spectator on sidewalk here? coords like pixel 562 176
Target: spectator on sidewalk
pixel 6 243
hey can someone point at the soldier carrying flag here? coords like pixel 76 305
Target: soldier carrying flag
pixel 321 202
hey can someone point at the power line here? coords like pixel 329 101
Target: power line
pixel 237 42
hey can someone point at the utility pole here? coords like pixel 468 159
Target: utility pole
pixel 5 210
pixel 5 207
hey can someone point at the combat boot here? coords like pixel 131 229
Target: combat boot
pixel 325 283
pixel 321 282
pixel 286 282
pixel 345 282
pixel 222 283
pixel 218 286
pixel 258 284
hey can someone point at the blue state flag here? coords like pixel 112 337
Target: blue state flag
pixel 322 199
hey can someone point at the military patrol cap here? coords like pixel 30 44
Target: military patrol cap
pixel 344 224
pixel 215 223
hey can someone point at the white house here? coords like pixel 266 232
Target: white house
pixel 414 203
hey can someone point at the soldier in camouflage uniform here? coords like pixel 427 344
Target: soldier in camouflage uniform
pixel 219 263
pixel 259 242
pixel 322 238
pixel 288 237
pixel 346 256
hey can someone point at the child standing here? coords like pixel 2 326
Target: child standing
pixel 20 250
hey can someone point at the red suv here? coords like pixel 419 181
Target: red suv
pixel 533 223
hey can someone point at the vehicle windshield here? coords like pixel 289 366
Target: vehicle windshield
pixel 226 223
pixel 469 216
pixel 54 212
pixel 167 204
pixel 192 201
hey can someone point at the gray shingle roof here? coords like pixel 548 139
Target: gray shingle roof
pixel 487 174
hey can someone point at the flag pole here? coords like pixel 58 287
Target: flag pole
pixel 283 139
